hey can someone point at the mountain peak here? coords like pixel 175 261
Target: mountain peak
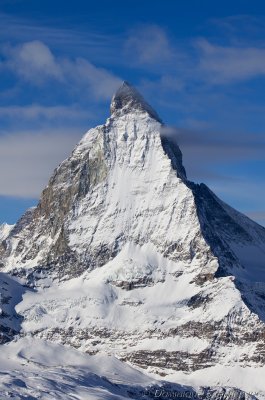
pixel 127 99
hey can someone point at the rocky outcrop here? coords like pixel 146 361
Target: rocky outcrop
pixel 166 275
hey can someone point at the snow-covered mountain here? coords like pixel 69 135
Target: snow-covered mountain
pixel 126 256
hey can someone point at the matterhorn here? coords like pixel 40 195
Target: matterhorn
pixel 129 264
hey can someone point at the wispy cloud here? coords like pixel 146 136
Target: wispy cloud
pixel 29 153
pixel 190 79
pixel 229 64
pixel 166 84
pixel 207 145
pixel 224 162
pixel 27 159
pixel 36 111
pixel 240 29
pixel 34 62
pixel 69 38
pixel 149 47
pixel 149 44
pixel 81 72
pixel 195 61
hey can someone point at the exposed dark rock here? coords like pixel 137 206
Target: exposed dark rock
pixel 127 99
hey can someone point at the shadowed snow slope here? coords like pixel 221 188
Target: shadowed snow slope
pixel 128 257
pixel 10 295
pixel 34 369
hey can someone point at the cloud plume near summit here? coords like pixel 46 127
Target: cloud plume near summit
pixel 35 63
pixel 205 84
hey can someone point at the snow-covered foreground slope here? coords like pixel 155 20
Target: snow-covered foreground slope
pixel 125 256
pixel 35 369
pixel 151 329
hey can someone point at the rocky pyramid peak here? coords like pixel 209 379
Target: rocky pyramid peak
pixel 166 269
pixel 128 99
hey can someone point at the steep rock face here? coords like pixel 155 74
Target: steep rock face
pixel 119 185
pixel 238 242
pixel 136 260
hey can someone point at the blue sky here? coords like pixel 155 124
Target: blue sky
pixel 201 64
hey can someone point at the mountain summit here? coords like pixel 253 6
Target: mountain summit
pixel 127 256
pixel 127 99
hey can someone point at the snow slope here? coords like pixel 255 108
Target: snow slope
pixel 5 230
pixel 35 369
pixel 125 256
pixel 147 324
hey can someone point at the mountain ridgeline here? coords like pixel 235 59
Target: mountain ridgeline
pixel 169 277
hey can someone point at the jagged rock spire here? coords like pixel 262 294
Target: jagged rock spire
pixel 127 99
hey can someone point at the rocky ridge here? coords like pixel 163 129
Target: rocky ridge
pixel 131 258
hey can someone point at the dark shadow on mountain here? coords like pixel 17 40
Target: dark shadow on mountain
pixel 218 229
pixel 163 391
pixel 174 153
pixel 11 293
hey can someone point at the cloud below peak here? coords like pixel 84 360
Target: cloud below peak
pixel 28 159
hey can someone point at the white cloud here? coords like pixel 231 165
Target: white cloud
pixel 35 63
pixel 204 146
pixel 230 64
pixel 178 64
pixel 149 47
pixel 28 159
pixel 73 39
pixel 165 84
pixel 36 111
pixel 85 75
pixel 149 44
